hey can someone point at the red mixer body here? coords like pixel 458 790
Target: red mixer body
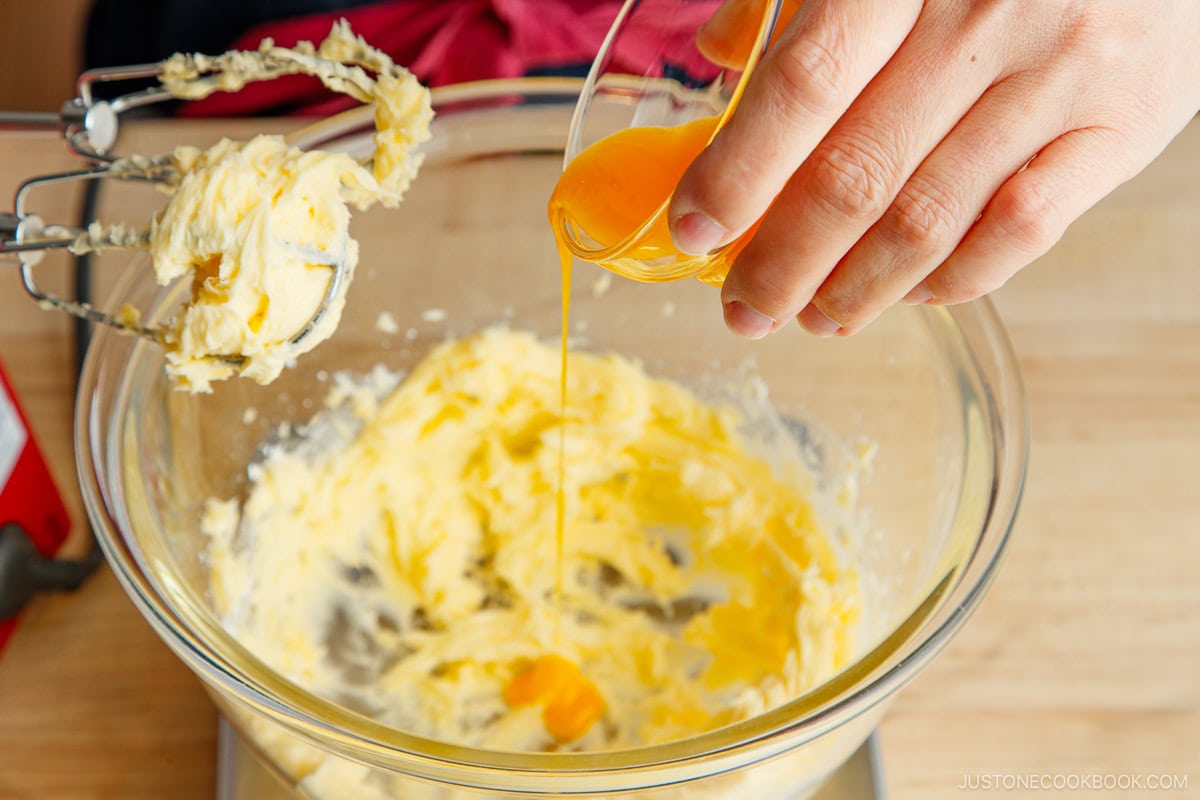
pixel 28 496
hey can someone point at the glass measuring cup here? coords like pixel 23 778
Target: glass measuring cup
pixel 666 79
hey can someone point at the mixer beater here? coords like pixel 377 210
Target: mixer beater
pixel 90 125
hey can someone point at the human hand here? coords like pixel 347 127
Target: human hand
pixel 927 151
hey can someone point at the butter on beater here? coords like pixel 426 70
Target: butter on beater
pixel 251 223
pixel 259 226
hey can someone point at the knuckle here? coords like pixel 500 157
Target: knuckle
pixel 851 180
pixel 1089 27
pixel 923 217
pixel 1027 214
pixel 810 73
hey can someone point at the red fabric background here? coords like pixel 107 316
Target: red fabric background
pixel 452 41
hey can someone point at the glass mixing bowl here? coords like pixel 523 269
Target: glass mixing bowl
pixel 935 392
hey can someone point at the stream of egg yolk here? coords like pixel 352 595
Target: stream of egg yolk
pixel 609 191
pixel 611 188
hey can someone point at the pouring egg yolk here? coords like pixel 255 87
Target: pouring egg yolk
pixel 613 197
pixel 610 190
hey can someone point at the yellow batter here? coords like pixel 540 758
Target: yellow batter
pixel 399 559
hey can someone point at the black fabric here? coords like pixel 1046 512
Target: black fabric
pixel 123 32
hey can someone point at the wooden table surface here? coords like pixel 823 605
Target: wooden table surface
pixel 1083 662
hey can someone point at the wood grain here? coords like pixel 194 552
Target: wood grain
pixel 41 48
pixel 1084 658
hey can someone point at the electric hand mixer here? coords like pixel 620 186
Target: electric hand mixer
pixel 90 127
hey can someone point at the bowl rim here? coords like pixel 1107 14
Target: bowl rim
pixel 870 680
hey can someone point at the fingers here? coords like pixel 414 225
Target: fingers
pixel 937 205
pixel 1030 212
pixel 852 177
pixel 894 143
pixel 805 82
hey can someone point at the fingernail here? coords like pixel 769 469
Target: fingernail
pixel 816 323
pixel 696 233
pixel 745 321
pixel 919 294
